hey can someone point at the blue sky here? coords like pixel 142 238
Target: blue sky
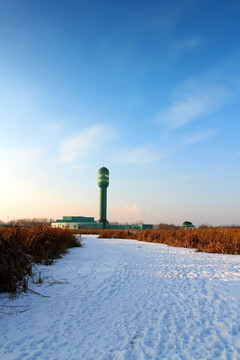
pixel 153 88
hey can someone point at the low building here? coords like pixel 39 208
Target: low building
pixel 77 222
pixel 187 225
pixel 83 222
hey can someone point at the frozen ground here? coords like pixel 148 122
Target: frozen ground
pixel 123 299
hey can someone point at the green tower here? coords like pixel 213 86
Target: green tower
pixel 103 182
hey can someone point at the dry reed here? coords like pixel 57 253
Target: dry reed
pixel 21 247
pixel 223 241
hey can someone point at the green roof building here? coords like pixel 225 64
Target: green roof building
pixel 77 222
pixel 187 225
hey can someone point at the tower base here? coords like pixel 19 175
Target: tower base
pixel 105 223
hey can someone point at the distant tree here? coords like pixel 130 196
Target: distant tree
pixel 31 222
pixel 233 226
pixel 134 222
pixel 205 226
pixel 209 226
pixel 164 226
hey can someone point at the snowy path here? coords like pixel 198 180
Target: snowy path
pixel 123 299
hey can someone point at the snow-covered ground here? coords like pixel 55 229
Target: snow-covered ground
pixel 123 299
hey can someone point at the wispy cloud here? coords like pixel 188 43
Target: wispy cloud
pixel 186 177
pixel 190 43
pixel 53 127
pixel 139 155
pixel 224 166
pixel 19 164
pixel 170 194
pixel 83 144
pixel 192 107
pixel 196 137
pixel 24 156
pixel 237 153
pixel 182 47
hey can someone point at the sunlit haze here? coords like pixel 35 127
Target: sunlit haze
pixel 150 88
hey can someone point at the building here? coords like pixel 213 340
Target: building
pixel 83 222
pixel 187 225
pixel 77 222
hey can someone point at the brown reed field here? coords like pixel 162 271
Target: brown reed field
pixel 21 247
pixel 216 240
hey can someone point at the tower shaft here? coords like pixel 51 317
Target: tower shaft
pixel 103 206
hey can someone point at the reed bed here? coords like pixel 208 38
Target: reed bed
pixel 22 247
pixel 221 241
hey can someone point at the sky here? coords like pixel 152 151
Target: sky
pixel 149 89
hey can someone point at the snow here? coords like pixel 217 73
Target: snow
pixel 123 299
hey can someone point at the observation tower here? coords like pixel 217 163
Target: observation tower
pixel 103 182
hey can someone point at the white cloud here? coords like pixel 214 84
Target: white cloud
pixel 192 107
pixel 201 135
pixel 134 212
pixel 21 157
pixel 187 177
pixel 139 155
pixel 170 194
pixel 19 165
pixel 178 49
pixel 225 166
pixel 237 153
pixel 53 127
pixel 190 43
pixel 81 145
